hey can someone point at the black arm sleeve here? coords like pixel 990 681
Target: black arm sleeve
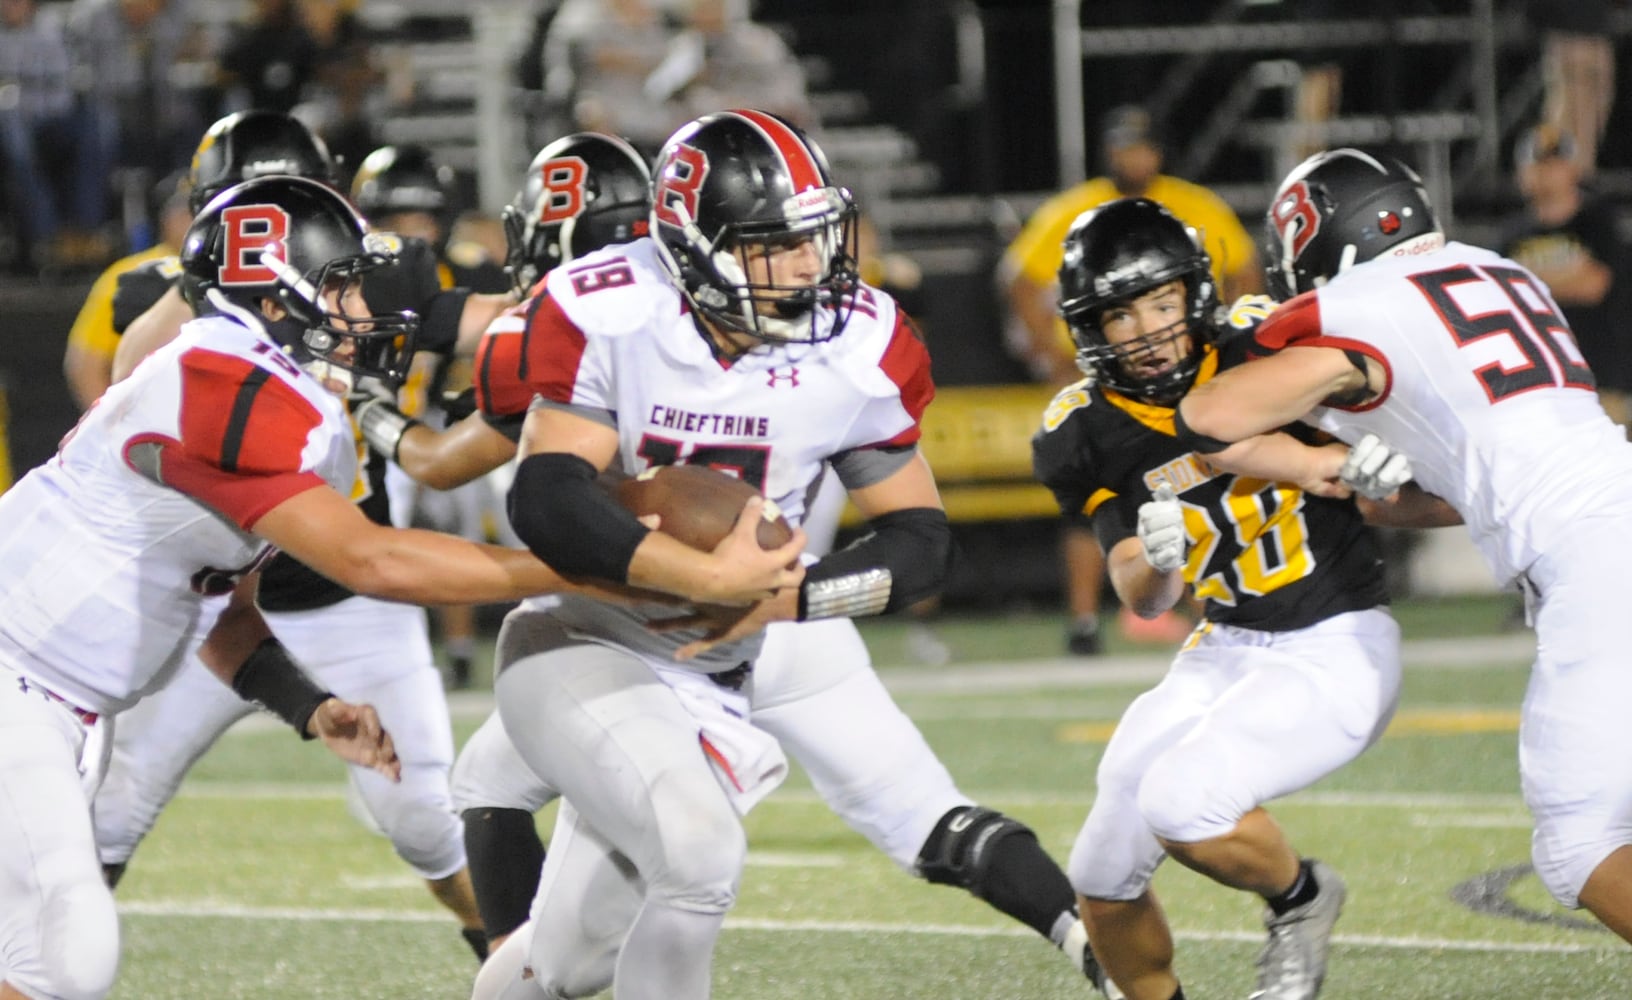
pixel 570 522
pixel 136 292
pixel 914 546
pixel 439 318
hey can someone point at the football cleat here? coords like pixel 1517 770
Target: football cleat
pixel 1293 963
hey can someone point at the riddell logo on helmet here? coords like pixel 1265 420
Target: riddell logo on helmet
pixel 808 203
pixel 1416 246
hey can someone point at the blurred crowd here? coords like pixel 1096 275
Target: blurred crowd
pixel 103 101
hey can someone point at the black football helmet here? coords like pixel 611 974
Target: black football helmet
pixel 404 178
pixel 248 144
pixel 287 239
pixel 1340 208
pixel 582 192
pixel 1118 252
pixel 751 181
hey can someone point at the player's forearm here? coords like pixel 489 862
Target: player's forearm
pixel 1143 589
pixel 428 567
pixel 1280 457
pixel 479 312
pixel 1264 395
pixel 1413 508
pixel 237 632
pixel 447 459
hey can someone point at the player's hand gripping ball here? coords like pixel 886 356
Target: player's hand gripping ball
pixel 698 505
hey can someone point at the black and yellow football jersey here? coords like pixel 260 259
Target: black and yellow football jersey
pixel 1263 555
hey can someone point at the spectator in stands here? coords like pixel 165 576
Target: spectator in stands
pixel 142 66
pixel 340 102
pixel 1578 57
pixel 269 59
pixel 597 57
pixel 51 169
pixel 1569 239
pixel 1133 162
pixel 722 59
pixel 88 362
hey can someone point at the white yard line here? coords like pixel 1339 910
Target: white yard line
pixel 1070 672
pixel 219 910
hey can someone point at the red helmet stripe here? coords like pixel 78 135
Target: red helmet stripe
pixel 803 169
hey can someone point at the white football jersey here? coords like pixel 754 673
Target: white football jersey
pixel 108 550
pixel 1487 392
pixel 614 340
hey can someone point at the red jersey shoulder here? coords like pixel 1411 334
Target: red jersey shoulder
pixel 501 390
pixel 906 362
pixel 241 417
pixel 1296 323
pixel 551 349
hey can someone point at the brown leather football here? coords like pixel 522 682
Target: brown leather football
pixel 698 505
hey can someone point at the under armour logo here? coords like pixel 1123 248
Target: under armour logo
pixel 960 823
pixel 792 377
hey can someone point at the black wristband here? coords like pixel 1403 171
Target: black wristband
pixel 272 679
pixel 1193 439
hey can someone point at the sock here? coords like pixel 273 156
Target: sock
pixel 1023 881
pixel 1303 889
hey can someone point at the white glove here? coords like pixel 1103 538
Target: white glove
pixel 1161 530
pixel 1374 470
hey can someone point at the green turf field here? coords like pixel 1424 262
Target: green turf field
pixel 258 884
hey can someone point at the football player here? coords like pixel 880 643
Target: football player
pixel 1295 668
pixel 174 488
pixel 813 686
pixel 363 647
pixel 735 335
pixel 1464 358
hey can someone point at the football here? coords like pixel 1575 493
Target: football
pixel 698 505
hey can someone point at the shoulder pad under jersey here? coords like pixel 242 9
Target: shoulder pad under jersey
pixel 615 291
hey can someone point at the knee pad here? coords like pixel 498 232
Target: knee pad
pixel 1566 849
pixel 79 945
pixel 959 850
pixel 417 815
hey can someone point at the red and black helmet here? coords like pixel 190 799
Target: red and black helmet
pixel 286 239
pixel 1340 208
pixel 582 192
pixel 740 180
